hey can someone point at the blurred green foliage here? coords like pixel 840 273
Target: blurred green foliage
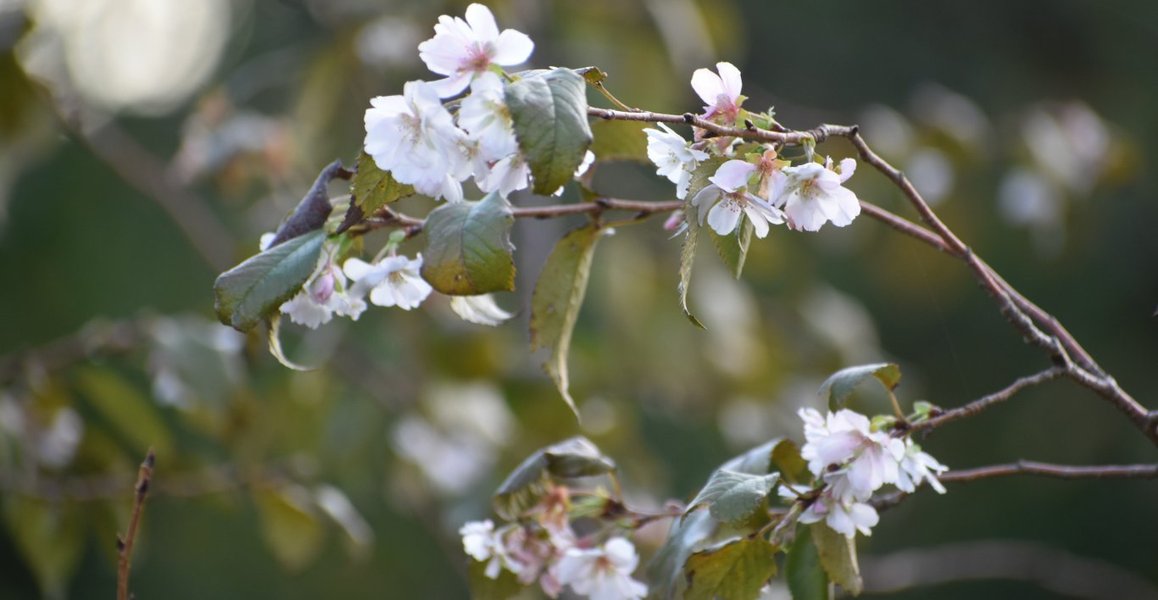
pixel 414 418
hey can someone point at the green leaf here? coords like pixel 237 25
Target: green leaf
pixel 733 248
pixel 620 140
pixel 756 461
pixel 248 293
pixel 549 112
pixel 691 217
pixel 373 188
pixel 289 525
pixel 571 458
pixel 733 496
pixel 556 301
pixel 667 569
pixel 130 413
pixel 503 587
pixel 786 458
pixel 838 556
pixel 687 261
pixel 468 247
pixel 50 538
pixel 735 570
pixel 841 384
pixel 802 569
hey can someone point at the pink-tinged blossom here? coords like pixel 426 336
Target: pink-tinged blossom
pixel 726 198
pixel 602 573
pixel 323 295
pixel 414 138
pixel 842 516
pixel 673 157
pixel 812 195
pixel 463 49
pixel 918 466
pixel 393 281
pixel 844 438
pixel 720 93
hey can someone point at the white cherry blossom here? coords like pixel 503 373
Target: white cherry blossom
pixel 414 138
pixel 842 516
pixel 480 309
pixel 673 157
pixel 720 93
pixel 484 544
pixel 726 198
pixel 812 195
pixel 602 573
pixel 918 466
pixel 463 49
pixel 508 175
pixel 393 281
pixel 487 120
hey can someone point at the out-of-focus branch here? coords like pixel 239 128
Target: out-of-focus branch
pixel 97 488
pixel 145 172
pixel 1055 570
pixel 95 337
pixel 125 544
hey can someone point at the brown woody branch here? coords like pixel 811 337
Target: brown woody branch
pixel 985 402
pixel 1037 326
pixel 125 544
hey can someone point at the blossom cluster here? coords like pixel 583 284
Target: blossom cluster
pixel 852 461
pixel 548 550
pixel 752 182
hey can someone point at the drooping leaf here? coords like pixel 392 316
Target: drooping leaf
pixel 691 218
pixel 50 538
pixel 620 140
pixel 549 112
pixel 667 568
pixel 733 248
pixel 733 496
pixel 802 569
pixel 556 301
pixel 248 293
pixel 274 340
pixel 735 570
pixel 130 413
pixel 468 247
pixel 838 556
pixel 503 587
pixel 359 535
pixel 289 525
pixel 838 387
pixel 687 261
pixel 571 458
pixel 373 188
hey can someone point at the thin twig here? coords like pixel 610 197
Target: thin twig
pixel 987 401
pixel 413 225
pixel 125 544
pixel 1029 467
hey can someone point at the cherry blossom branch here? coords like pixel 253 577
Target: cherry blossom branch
pixel 1037 326
pixel 386 217
pixel 125 544
pixel 989 400
pixel 1029 467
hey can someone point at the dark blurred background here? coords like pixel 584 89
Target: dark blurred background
pixel 147 144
